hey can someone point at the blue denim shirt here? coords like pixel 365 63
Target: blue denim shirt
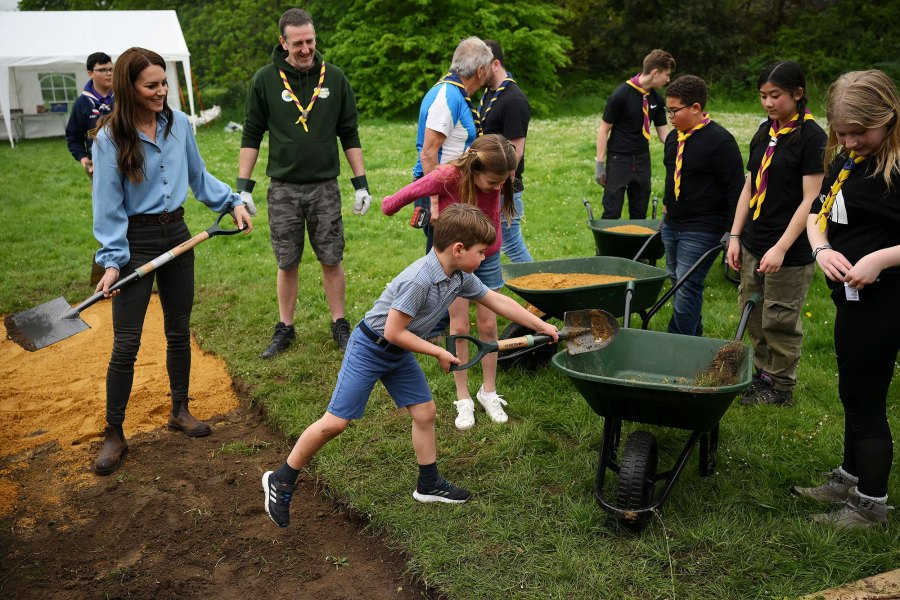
pixel 170 165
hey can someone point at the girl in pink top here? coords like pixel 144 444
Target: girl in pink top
pixel 477 177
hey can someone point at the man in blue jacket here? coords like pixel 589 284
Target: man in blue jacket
pixel 94 102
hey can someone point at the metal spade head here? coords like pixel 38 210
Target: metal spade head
pixel 588 330
pixel 43 325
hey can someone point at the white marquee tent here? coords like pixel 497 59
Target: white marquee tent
pixel 36 45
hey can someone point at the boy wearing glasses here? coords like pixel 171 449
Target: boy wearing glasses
pixel 623 138
pixel 95 101
pixel 704 178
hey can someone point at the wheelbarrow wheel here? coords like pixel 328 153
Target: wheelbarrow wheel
pixel 636 478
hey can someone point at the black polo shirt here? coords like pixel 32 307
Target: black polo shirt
pixel 797 154
pixel 712 177
pixel 509 117
pixel 867 212
pixel 624 109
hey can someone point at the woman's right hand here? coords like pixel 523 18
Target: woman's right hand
pixel 110 277
pixel 834 264
pixel 734 254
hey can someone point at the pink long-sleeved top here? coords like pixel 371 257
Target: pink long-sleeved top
pixel 444 182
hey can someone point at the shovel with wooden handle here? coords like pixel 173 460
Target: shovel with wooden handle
pixel 57 320
pixel 583 331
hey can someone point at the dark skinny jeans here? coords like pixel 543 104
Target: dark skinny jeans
pixel 175 282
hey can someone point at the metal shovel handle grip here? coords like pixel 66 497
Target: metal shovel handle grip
pixel 482 350
pixel 162 259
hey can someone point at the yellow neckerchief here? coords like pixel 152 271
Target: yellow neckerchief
pixel 304 112
pixel 494 97
pixel 762 176
pixel 682 138
pixel 454 79
pixel 645 105
pixel 848 167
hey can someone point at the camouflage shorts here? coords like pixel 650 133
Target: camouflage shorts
pixel 313 206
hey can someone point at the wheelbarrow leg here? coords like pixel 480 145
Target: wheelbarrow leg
pixel 709 445
pixel 611 430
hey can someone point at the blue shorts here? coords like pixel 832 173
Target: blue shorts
pixel 489 272
pixel 364 364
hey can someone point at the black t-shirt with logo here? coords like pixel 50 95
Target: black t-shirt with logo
pixel 712 177
pixel 509 116
pixel 865 216
pixel 624 109
pixel 797 154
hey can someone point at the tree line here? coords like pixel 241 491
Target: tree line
pixel 394 50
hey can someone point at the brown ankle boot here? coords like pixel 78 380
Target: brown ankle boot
pixel 111 454
pixel 190 425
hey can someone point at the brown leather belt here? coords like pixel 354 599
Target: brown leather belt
pixel 161 219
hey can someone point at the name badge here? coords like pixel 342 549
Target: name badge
pixel 852 294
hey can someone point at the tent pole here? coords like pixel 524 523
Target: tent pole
pixel 4 103
pixel 186 63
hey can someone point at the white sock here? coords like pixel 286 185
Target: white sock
pixel 851 478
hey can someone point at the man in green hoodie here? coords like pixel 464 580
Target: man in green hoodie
pixel 305 104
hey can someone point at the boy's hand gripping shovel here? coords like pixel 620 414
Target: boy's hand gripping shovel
pixel 584 331
pixel 57 320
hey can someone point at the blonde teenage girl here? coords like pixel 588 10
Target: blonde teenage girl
pixel 854 230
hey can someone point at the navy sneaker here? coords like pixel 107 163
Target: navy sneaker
pixel 277 499
pixel 442 491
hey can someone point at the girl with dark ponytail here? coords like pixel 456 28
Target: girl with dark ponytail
pixel 767 245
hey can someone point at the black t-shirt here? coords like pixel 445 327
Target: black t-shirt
pixel 793 159
pixel 865 216
pixel 712 176
pixel 509 116
pixel 624 109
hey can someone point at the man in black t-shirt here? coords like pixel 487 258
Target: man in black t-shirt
pixel 623 138
pixel 504 109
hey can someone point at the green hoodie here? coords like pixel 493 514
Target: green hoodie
pixel 295 155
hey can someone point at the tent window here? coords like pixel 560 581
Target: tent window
pixel 58 87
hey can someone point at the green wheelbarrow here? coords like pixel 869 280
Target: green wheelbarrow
pixel 650 377
pixel 636 246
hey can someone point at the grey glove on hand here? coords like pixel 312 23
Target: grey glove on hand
pixel 600 173
pixel 244 188
pixel 363 199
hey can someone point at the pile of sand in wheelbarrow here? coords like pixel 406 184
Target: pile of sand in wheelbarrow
pixel 58 393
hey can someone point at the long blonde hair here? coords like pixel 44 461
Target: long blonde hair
pixel 493 154
pixel 868 99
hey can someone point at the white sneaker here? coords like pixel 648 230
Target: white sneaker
pixel 465 414
pixel 493 405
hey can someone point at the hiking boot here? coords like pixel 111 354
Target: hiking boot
pixel 277 499
pixel 858 511
pixel 760 386
pixel 340 331
pixel 465 414
pixel 442 491
pixel 186 422
pixel 281 339
pixel 493 405
pixel 835 489
pixel 111 454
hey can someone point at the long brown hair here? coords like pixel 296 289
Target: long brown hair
pixel 122 121
pixel 490 153
pixel 868 99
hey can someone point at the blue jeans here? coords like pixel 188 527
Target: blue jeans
pixel 513 244
pixel 683 250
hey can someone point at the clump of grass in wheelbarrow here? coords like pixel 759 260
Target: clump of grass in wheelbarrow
pixel 583 331
pixel 725 368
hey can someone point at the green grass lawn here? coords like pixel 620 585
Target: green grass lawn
pixel 533 529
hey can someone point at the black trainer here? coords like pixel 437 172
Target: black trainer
pixel 277 499
pixel 281 339
pixel 340 331
pixel 442 491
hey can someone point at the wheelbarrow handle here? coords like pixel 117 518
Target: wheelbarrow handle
pixel 162 259
pixel 590 211
pixel 752 301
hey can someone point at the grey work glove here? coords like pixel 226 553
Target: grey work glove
pixel 600 173
pixel 363 199
pixel 244 188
